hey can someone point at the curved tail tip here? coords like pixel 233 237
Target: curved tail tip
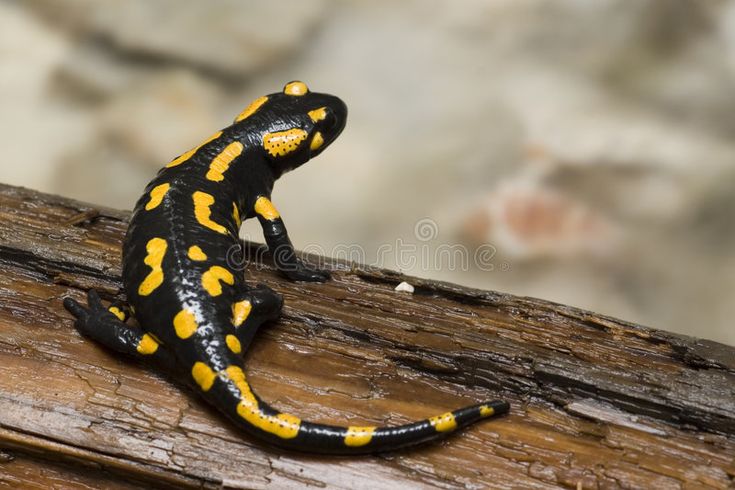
pixel 498 407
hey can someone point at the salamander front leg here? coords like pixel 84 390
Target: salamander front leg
pixel 255 307
pixel 107 326
pixel 281 247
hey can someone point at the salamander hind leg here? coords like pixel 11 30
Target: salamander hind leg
pixel 254 307
pixel 107 326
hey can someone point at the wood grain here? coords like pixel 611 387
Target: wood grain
pixel 596 402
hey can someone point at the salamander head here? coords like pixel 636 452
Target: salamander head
pixel 292 126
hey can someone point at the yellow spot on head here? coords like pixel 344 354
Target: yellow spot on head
pixel 156 248
pixel 222 162
pixel 240 312
pixel 117 312
pixel 358 436
pixel 317 141
pixel 185 324
pixel 233 344
pixel 250 110
pixel 295 88
pixel 318 114
pixel 185 156
pixel 211 279
pixel 147 345
pixel 265 208
pixel 282 425
pixel 281 143
pixel 196 253
pixel 203 375
pixel 157 194
pixel 486 411
pixel 202 203
pixel 444 422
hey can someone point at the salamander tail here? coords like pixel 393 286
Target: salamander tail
pixel 235 397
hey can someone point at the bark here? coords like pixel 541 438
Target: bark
pixel 596 402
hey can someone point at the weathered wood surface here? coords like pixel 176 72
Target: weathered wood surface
pixel 596 402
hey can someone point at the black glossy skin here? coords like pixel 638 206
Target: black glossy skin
pixel 248 177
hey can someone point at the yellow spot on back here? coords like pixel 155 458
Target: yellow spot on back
pixel 211 279
pixel 117 312
pixel 295 88
pixel 233 344
pixel 185 324
pixel 240 312
pixel 185 156
pixel 203 375
pixel 250 110
pixel 157 194
pixel 486 411
pixel 318 114
pixel 196 253
pixel 236 214
pixel 202 202
pixel 222 162
pixel 147 345
pixel 282 425
pixel 156 248
pixel 317 141
pixel 265 208
pixel 281 143
pixel 444 422
pixel 359 436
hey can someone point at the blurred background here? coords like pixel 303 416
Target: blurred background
pixel 581 152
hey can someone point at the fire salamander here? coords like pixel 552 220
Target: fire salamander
pixel 196 313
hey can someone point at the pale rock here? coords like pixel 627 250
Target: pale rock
pixel 231 37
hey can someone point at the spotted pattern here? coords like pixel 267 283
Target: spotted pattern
pixel 281 143
pixel 317 141
pixel 203 375
pixel 186 156
pixel 252 108
pixel 222 162
pixel 240 312
pixel 212 277
pixel 117 312
pixel 203 213
pixel 444 422
pixel 196 253
pixel 265 208
pixel 233 344
pixel 282 425
pixel 157 194
pixel 318 114
pixel 359 436
pixel 147 345
pixel 185 324
pixel 236 214
pixel 156 250
pixel 486 411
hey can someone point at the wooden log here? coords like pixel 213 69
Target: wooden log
pixel 596 402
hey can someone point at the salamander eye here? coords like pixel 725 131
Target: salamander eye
pixel 295 88
pixel 330 121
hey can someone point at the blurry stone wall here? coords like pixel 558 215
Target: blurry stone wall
pixel 577 151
